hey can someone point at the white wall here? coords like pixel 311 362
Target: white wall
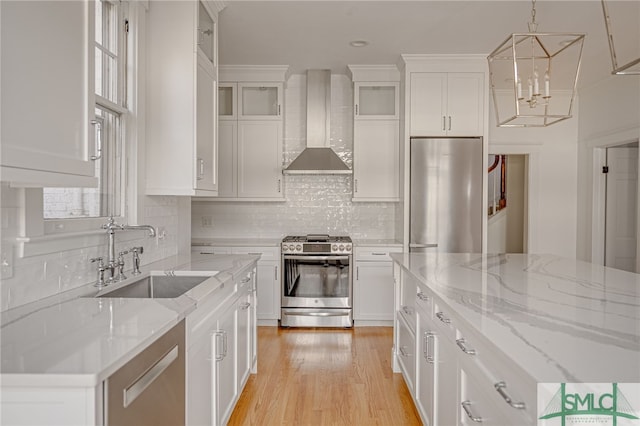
pixel 314 203
pixel 609 115
pixel 553 183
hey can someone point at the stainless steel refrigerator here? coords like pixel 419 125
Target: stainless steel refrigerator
pixel 446 195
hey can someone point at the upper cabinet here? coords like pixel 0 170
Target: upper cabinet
pixel 250 133
pixel 182 99
pixel 376 100
pixel 48 132
pixel 376 133
pixel 447 104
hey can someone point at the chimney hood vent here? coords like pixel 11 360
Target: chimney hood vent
pixel 318 158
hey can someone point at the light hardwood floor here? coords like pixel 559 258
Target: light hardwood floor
pixel 325 377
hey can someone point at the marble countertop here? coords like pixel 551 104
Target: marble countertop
pixel 376 242
pixel 77 340
pixel 238 242
pixel 561 320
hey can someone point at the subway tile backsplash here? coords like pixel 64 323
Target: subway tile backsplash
pixel 314 203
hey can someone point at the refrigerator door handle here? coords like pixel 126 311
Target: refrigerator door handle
pixel 422 245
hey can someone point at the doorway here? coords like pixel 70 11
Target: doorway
pixel 507 210
pixel 621 206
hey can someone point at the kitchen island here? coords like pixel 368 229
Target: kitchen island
pixel 57 353
pixel 496 325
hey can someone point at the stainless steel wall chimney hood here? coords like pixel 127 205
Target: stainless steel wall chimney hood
pixel 318 158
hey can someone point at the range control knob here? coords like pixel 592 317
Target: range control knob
pixel 291 247
pixel 298 247
pixel 334 247
pixel 348 247
pixel 285 247
pixel 341 247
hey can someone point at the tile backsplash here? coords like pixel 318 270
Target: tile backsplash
pixel 36 277
pixel 314 203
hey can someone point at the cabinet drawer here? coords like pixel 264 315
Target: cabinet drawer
pixel 375 253
pixel 509 389
pixel 406 351
pixel 407 308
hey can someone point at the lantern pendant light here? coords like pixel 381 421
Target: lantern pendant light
pixel 631 67
pixel 526 67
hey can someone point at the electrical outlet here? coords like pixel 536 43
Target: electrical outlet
pixel 207 221
pixel 6 262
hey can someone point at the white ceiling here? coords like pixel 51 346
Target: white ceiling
pixel 307 34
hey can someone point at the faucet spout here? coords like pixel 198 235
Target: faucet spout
pixel 151 229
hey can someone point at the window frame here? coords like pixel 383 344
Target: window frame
pixel 59 226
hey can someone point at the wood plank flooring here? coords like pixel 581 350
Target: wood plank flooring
pixel 325 377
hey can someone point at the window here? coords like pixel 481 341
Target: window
pixel 110 116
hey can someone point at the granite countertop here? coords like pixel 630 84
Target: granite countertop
pixel 561 320
pixel 77 340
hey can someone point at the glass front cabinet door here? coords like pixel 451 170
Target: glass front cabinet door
pixel 206 33
pixel 375 100
pixel 260 101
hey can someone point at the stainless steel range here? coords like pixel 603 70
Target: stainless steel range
pixel 317 281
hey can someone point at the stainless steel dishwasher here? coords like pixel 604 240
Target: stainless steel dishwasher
pixel 150 389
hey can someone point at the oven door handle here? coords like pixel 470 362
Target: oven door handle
pixel 296 257
pixel 315 314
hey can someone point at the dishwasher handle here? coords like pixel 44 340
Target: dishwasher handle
pixel 139 386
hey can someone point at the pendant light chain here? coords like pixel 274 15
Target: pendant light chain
pixel 533 25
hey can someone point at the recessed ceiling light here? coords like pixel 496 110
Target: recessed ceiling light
pixel 359 43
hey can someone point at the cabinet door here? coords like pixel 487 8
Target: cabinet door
pixel 376 160
pixel 206 149
pixel 268 290
pixel 244 338
pixel 373 291
pixel 225 377
pixel 428 104
pixel 47 95
pixel 227 158
pixel 260 159
pixel 200 384
pixel 426 374
pixel 206 33
pixel 376 100
pixel 465 100
pixel 405 352
pixel 447 402
pixel 260 101
pixel 227 101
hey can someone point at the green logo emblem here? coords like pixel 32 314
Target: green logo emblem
pixel 614 405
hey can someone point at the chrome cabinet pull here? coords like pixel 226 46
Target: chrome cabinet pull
pixel 407 310
pixel 217 335
pixel 428 348
pixel 444 122
pixel 224 344
pixel 245 306
pixel 246 280
pixel 279 186
pixel 200 169
pixel 423 296
pixel 449 122
pixel 463 347
pixel 373 253
pixel 355 185
pixel 98 124
pixel 500 387
pixel 356 109
pixel 357 273
pixel 403 352
pixel 278 109
pixel 276 273
pixel 441 317
pixel 466 405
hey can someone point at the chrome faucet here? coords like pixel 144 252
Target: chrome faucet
pixel 115 264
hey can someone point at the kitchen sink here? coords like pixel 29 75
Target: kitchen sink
pixel 159 285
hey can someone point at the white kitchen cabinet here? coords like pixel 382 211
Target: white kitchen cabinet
pixel 250 140
pixel 406 352
pixel 376 160
pixel 47 105
pixel 373 285
pixel 260 159
pixel 260 101
pixel 267 278
pixel 225 370
pixel 447 104
pixel 181 147
pixel 376 133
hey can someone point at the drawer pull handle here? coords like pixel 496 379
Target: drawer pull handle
pixel 403 352
pixel 423 297
pixel 500 387
pixel 246 280
pixel 407 310
pixel 428 348
pixel 463 347
pixel 442 318
pixel 465 405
